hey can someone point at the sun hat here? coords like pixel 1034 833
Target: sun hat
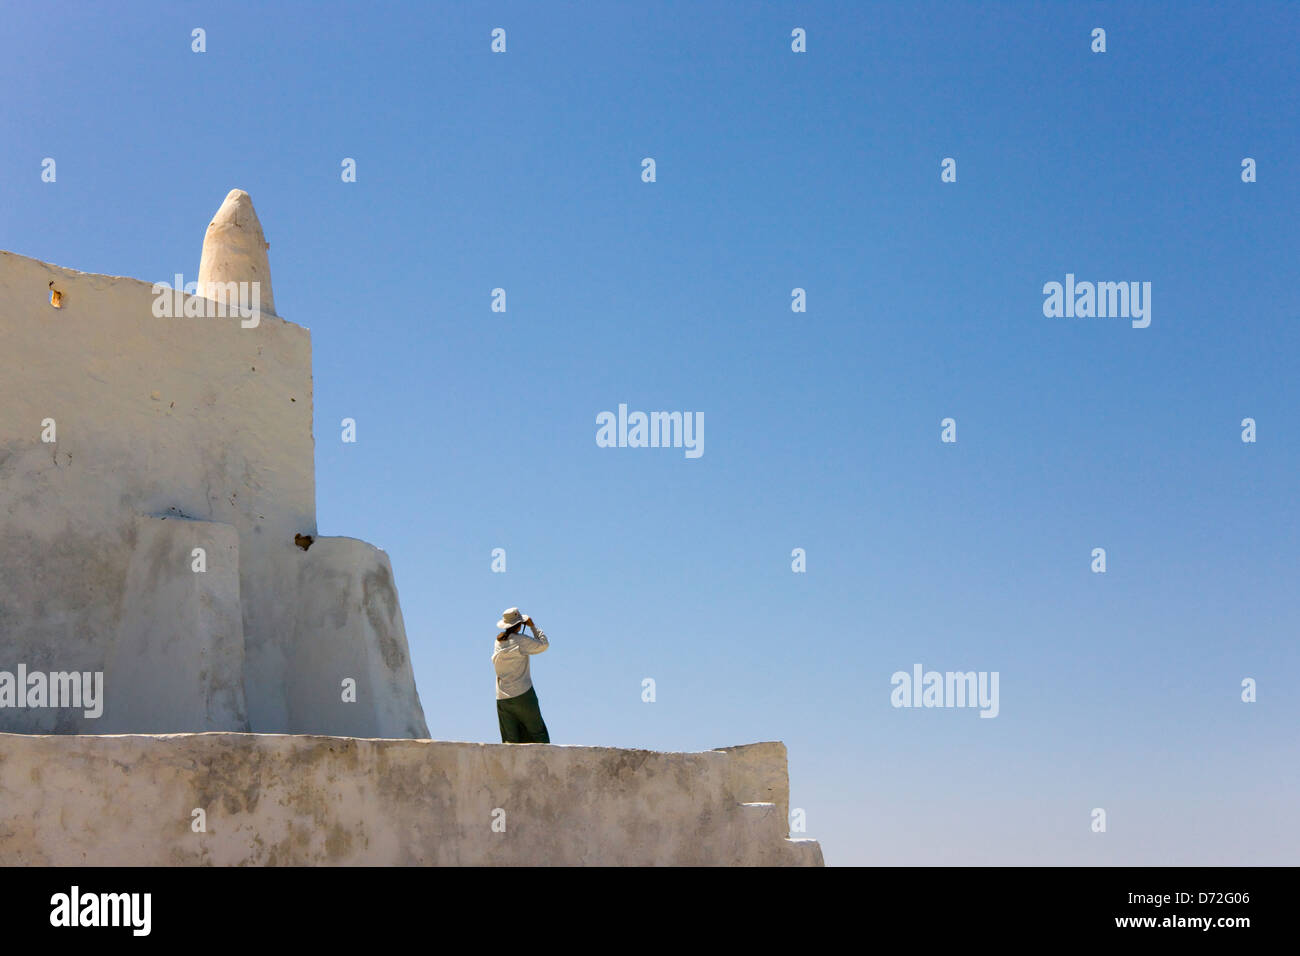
pixel 509 618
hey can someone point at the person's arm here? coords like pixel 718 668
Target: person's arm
pixel 535 644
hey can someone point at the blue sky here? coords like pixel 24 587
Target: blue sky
pixel 775 170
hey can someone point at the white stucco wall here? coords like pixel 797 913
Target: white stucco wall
pixel 349 626
pixel 197 418
pixel 182 634
pixel 306 800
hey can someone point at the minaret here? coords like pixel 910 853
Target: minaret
pixel 234 249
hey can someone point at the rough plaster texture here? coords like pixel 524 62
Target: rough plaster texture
pixel 234 250
pixel 194 418
pixel 345 588
pixel 182 635
pixel 308 800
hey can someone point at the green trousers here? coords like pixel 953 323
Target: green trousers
pixel 521 719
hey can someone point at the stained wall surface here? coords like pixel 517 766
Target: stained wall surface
pixel 195 419
pixel 310 800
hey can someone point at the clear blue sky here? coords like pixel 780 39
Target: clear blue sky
pixel 476 430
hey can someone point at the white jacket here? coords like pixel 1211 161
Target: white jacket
pixel 510 658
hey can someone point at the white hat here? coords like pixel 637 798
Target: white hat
pixel 509 618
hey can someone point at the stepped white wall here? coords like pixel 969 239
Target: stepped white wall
pixel 182 418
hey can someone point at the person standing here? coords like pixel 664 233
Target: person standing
pixel 518 711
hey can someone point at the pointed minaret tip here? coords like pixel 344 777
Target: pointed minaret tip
pixel 234 249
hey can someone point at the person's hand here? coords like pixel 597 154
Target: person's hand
pixel 529 622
